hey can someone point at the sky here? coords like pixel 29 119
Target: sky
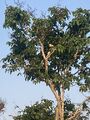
pixel 14 90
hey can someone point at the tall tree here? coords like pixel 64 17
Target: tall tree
pixel 54 49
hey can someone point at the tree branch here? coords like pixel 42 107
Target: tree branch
pixel 42 50
pixel 43 53
pixel 78 110
pixel 52 86
pixel 76 54
pixel 50 53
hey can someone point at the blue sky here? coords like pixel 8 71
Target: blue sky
pixel 14 89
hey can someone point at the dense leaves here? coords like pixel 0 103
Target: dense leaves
pixel 69 108
pixel 16 18
pixel 65 34
pixel 39 111
pixel 45 110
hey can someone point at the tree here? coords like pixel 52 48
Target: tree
pixel 54 49
pixel 45 110
pixel 2 105
pixel 78 111
pixel 39 111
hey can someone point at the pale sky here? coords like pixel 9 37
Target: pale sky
pixel 14 89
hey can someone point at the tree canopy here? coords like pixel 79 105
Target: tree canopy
pixel 69 40
pixel 54 49
pixel 45 110
pixel 39 111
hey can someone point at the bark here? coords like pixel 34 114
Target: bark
pixel 59 109
pixel 56 113
pixel 59 103
pixel 62 100
pixel 46 65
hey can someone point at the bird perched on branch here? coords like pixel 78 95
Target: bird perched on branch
pixel 50 45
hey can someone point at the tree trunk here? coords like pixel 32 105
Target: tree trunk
pixel 56 113
pixel 60 106
pixel 62 101
pixel 59 110
pixel 59 113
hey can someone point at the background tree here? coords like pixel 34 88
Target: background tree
pixel 45 110
pixel 39 111
pixel 2 105
pixel 79 111
pixel 54 49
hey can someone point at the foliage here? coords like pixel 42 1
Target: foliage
pixel 68 108
pixel 46 111
pixel 39 111
pixel 85 113
pixel 70 40
pixel 54 49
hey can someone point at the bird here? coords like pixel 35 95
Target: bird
pixel 50 45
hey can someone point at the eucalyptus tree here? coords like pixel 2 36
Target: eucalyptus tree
pixel 54 49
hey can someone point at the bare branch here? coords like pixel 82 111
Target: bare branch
pixel 76 54
pixel 42 50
